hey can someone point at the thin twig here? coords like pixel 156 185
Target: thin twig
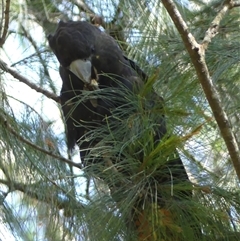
pixel 1 19
pixel 197 54
pixel 214 26
pixel 34 44
pixel 83 7
pixel 51 198
pixel 25 60
pixel 235 4
pixel 6 23
pixel 23 79
pixel 36 147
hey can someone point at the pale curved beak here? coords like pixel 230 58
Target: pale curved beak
pixel 82 69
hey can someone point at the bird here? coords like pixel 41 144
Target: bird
pixel 91 61
pixel 80 40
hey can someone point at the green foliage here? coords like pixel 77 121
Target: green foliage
pixel 44 198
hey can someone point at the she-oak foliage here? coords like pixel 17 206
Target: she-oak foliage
pixel 45 197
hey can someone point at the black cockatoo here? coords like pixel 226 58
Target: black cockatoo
pixel 91 60
pixel 88 52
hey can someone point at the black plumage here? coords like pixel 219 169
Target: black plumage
pixel 80 116
pixel 105 62
pixel 92 60
pixel 75 41
pixel 81 40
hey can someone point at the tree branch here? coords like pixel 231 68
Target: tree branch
pixel 235 4
pixel 23 79
pixel 27 35
pixel 36 147
pixel 6 23
pixel 49 196
pixel 83 7
pixel 214 26
pixel 197 55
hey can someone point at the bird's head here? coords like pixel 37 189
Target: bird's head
pixel 72 41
